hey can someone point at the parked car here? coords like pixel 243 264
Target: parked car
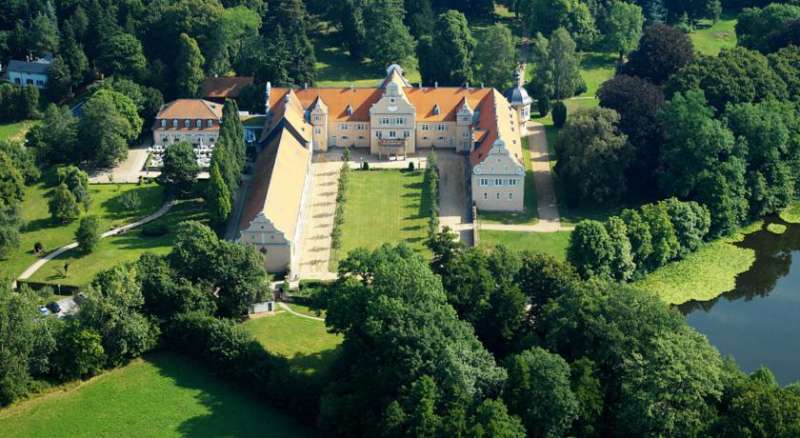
pixel 53 307
pixel 43 311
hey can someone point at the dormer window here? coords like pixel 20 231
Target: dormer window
pixel 436 110
pixel 187 123
pixel 174 123
pixel 210 123
pixel 163 123
pixel 349 110
pixel 198 123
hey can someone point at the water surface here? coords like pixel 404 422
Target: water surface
pixel 758 323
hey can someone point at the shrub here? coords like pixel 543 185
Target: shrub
pixel 559 114
pixel 411 165
pixel 543 104
pixel 365 166
pixel 130 200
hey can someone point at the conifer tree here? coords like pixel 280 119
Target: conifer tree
pixel 189 67
pixel 219 197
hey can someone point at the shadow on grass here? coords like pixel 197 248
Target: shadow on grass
pixel 151 198
pixel 231 411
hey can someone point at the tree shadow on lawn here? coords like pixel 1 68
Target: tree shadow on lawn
pixel 151 198
pixel 232 411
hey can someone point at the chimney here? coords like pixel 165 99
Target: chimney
pixel 352 87
pixel 482 85
pixel 436 84
pixel 267 91
pixel 466 85
pixel 305 85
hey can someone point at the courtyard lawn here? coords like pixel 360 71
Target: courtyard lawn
pixel 15 131
pixel 704 274
pixel 709 38
pixel 552 244
pixel 530 215
pixel 163 395
pixel 114 250
pixel 105 204
pixel 305 342
pixel 385 206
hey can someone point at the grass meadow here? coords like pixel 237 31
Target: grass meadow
pixel 552 244
pixel 161 395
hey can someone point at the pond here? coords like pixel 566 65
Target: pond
pixel 758 323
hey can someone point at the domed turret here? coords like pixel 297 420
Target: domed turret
pixel 518 97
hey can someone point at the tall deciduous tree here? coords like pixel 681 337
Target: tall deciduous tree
pixel 62 205
pixel 593 156
pixel 662 51
pixel 12 183
pixel 495 57
pixel 88 234
pixel 109 121
pixel 446 57
pixel 189 67
pixel 388 39
pixel 180 169
pixel 623 25
pixel 122 55
pixel 590 249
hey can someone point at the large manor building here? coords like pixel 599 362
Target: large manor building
pixel 393 119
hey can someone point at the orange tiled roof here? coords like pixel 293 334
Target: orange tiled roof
pixel 190 109
pixel 228 86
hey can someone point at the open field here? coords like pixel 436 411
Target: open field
pixel 384 206
pixel 118 249
pixel 15 131
pixel 163 395
pixel 704 274
pixel 552 244
pixel 305 342
pixel 530 215
pixel 40 228
pixel 709 38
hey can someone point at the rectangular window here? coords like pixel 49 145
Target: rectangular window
pixel 210 123
pixel 512 182
pixel 385 121
pixel 163 123
pixel 392 134
pixel 175 123
pixel 425 127
pixel 343 127
pixel 198 123
pixel 317 131
pixel 316 118
pixel 187 123
pixel 485 195
pixel 442 127
pixel 484 182
pixel 400 120
pixel 498 182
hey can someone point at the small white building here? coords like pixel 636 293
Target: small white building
pixel 32 71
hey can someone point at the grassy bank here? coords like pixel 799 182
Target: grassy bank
pixel 552 244
pixel 305 342
pixel 705 274
pixel 163 395
pixel 15 131
pixel 119 249
pixel 38 226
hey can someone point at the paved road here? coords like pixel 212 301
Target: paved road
pixel 119 230
pixel 453 205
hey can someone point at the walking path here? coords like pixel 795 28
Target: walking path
pixel 290 310
pixel 119 230
pixel 232 227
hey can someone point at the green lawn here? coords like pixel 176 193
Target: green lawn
pixel 118 249
pixel 709 38
pixel 704 274
pixel 40 228
pixel 384 206
pixel 552 244
pixel 335 67
pixel 305 342
pixel 530 215
pixel 596 68
pixel 163 395
pixel 15 131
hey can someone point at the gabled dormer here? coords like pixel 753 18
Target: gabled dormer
pixel 319 112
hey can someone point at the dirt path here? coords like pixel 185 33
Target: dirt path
pixel 290 310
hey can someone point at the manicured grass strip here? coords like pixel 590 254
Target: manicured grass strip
pixel 385 206
pixel 119 249
pixel 776 228
pixel 531 214
pixel 709 38
pixel 15 131
pixel 705 274
pixel 164 395
pixel 552 244
pixel 791 214
pixel 305 342
pixel 40 228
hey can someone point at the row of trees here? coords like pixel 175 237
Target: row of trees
pixel 638 241
pixel 18 102
pixel 125 310
pixel 227 164
pixel 430 184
